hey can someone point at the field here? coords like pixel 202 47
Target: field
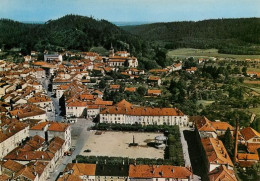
pixel 185 52
pixel 111 143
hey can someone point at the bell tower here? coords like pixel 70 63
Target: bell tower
pixel 111 51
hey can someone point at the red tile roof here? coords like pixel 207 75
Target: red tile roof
pixel 159 171
pixel 249 133
pixel 124 107
pixel 221 173
pixel 55 126
pixel 216 151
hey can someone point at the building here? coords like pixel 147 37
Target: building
pixel 222 173
pixel 177 67
pixel 53 57
pixel 42 101
pixel 159 172
pixel 207 128
pixel 79 171
pixel 216 154
pixel 126 113
pixel 250 135
pixel 49 130
pixel 153 92
pixel 121 59
pixel 155 81
pixel 38 149
pixel 33 171
pixel 11 135
pixel 111 172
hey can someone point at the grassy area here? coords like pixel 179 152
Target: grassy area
pixel 204 102
pixel 257 69
pixel 201 53
pixel 256 111
pixel 251 85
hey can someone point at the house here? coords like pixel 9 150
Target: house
pixel 222 173
pixel 176 67
pixel 247 159
pixel 153 92
pixel 114 87
pixel 126 113
pixel 33 171
pixel 204 127
pixel 75 108
pixel 29 112
pixel 191 70
pixel 49 130
pixel 11 135
pixel 49 152
pixel 250 135
pixel 78 171
pixel 89 55
pixel 216 154
pixel 221 127
pixel 253 74
pixel 154 80
pixel 159 172
pixel 130 89
pixel 207 128
pixel 42 101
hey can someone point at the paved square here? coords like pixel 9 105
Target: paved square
pixel 111 143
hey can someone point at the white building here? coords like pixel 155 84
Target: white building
pixel 125 113
pixel 53 57
pixel 11 136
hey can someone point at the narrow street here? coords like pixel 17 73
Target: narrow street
pixel 198 166
pixel 79 132
pixel 186 155
pixel 55 115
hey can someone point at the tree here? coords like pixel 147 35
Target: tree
pixel 228 142
pixel 244 70
pixel 141 90
pixel 102 84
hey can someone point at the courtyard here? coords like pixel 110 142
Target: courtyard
pixel 116 144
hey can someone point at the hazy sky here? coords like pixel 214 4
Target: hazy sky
pixel 129 10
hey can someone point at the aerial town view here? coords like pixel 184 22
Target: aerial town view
pixel 129 90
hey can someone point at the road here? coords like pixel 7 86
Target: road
pixel 79 131
pixel 55 115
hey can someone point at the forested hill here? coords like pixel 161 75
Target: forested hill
pixel 70 32
pixel 237 35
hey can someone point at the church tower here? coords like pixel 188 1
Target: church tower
pixel 111 51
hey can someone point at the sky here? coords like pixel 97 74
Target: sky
pixel 129 10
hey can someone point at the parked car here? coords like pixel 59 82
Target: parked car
pixel 87 151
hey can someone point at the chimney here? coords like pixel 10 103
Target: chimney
pixel 236 142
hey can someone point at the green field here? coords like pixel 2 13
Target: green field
pixel 205 53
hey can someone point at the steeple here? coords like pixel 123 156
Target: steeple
pixel 111 51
